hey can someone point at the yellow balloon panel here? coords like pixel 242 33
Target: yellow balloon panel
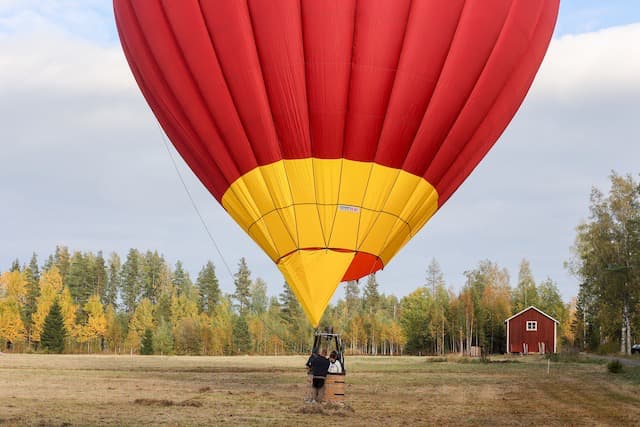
pixel 314 277
pixel 330 203
pixel 311 232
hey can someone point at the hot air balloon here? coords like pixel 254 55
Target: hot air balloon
pixel 332 130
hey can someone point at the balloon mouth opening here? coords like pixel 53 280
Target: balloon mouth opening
pixel 363 263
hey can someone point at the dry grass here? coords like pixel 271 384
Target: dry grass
pixel 151 390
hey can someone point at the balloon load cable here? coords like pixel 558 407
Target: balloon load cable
pixel 193 203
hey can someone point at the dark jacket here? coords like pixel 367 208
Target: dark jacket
pixel 319 365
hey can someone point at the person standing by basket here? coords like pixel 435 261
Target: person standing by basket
pixel 319 367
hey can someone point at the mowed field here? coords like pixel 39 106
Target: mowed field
pixel 64 390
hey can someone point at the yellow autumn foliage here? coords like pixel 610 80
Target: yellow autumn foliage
pixel 13 284
pixel 96 324
pixel 11 326
pixel 50 287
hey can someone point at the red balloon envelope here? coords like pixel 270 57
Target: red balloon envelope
pixel 332 130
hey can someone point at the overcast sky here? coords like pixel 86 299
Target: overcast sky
pixel 84 164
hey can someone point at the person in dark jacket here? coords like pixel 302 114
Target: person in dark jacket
pixel 318 365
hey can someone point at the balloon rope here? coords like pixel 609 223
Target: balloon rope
pixel 193 203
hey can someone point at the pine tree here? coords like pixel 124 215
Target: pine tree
pixel 241 335
pixel 352 297
pixel 62 260
pixel 209 289
pixel 147 343
pixel 113 281
pixel 258 296
pixel 151 270
pixel 78 278
pixel 181 279
pixel 243 286
pixel 290 307
pixel 130 277
pixel 99 276
pixel 32 274
pixel 370 295
pixel 53 331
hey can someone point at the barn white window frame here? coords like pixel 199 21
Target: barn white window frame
pixel 532 325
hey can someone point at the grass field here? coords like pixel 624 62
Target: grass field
pixel 51 390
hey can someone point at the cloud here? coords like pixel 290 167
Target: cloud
pixel 602 64
pixel 83 162
pixel 86 19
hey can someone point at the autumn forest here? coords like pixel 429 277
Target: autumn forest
pixel 85 302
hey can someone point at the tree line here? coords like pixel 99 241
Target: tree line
pixel 143 305
pixel 83 302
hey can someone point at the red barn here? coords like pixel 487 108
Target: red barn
pixel 531 331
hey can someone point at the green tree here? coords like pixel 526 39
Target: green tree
pixel 435 284
pixel 290 308
pixel 371 295
pixel 78 278
pixel 112 281
pixel 550 301
pixel 607 261
pixel 152 272
pixel 352 298
pixel 182 282
pixel 32 274
pixel 99 276
pixel 415 320
pixel 209 288
pixel 163 338
pixel 484 306
pixel 241 335
pixel 372 317
pixel 62 260
pixel 525 294
pixel 296 330
pixel 131 281
pixel 258 297
pixel 53 331
pixel 146 347
pixel 242 281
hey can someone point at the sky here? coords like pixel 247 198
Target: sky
pixel 84 164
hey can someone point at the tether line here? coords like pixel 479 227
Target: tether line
pixel 193 203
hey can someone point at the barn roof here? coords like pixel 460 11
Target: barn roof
pixel 536 309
